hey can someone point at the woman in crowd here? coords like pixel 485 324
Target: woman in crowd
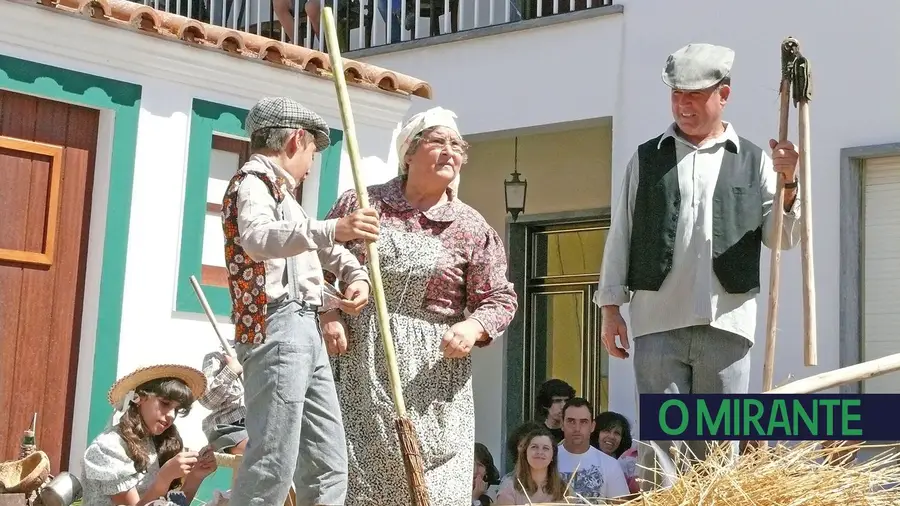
pixel 514 444
pixel 612 436
pixel 536 477
pixel 444 274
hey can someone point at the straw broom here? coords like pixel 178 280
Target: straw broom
pixel 409 444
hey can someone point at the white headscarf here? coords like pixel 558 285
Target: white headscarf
pixel 434 117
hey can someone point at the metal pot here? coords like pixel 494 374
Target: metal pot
pixel 62 490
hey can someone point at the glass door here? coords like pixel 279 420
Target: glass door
pixel 562 326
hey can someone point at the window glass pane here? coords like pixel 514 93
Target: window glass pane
pixel 557 328
pixel 225 158
pixel 567 252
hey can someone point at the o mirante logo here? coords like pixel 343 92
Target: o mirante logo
pixel 768 417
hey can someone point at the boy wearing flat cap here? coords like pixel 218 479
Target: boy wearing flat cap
pixel 684 245
pixel 275 254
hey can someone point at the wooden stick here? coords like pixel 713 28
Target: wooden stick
pixel 787 56
pixel 212 319
pixel 802 96
pixel 211 316
pixel 842 376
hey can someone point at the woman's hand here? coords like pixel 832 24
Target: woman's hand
pixel 459 340
pixel 178 466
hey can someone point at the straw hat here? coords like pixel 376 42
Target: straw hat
pixel 24 475
pixel 194 379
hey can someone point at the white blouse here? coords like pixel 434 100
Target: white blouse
pixel 107 469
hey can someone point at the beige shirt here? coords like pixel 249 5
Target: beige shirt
pixel 309 243
pixel 691 294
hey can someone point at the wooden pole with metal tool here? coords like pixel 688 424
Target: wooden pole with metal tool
pixel 802 95
pixel 409 442
pixel 789 48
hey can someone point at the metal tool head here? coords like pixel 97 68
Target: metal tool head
pixel 790 50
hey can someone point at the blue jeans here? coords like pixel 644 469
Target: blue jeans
pixel 294 421
pixel 698 360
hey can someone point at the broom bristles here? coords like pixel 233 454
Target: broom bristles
pixel 412 461
pixel 808 473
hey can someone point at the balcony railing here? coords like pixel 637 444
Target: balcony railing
pixel 298 21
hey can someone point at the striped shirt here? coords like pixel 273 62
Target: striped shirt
pixel 224 395
pixel 691 294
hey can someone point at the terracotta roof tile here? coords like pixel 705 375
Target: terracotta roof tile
pixel 246 45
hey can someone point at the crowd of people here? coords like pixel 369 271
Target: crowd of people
pixel 307 400
pixel 565 454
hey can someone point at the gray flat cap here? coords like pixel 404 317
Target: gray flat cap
pixel 282 112
pixel 697 66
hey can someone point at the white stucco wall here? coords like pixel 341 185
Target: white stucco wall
pixel 610 66
pixel 172 75
pixel 541 76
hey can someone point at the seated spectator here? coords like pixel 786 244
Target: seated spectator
pixel 536 476
pixel 612 436
pixel 514 444
pixel 551 397
pixel 596 474
pixel 486 474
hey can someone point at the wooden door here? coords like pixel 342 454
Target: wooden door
pixel 47 152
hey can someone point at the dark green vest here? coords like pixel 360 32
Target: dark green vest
pixel 736 214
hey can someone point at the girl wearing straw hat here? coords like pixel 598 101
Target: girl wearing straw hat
pixel 140 459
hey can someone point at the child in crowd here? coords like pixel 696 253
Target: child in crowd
pixel 486 474
pixel 140 459
pixel 224 426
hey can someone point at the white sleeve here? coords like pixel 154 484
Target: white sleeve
pixel 613 289
pixel 614 478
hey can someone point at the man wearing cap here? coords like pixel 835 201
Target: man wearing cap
pixel 275 255
pixel 685 241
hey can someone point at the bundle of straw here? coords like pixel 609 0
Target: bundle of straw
pixel 782 475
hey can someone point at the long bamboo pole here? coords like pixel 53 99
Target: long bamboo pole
pixel 409 445
pixel 337 68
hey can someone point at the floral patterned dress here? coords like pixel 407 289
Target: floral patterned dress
pixel 435 265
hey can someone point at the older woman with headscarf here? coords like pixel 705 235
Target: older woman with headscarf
pixel 439 261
